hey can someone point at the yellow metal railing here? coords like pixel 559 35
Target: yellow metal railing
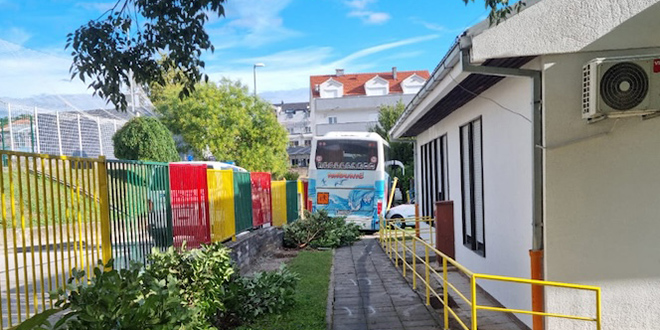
pixel 222 204
pixel 278 191
pixel 399 244
pixel 52 218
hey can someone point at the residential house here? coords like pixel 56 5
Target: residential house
pixel 295 118
pixel 541 130
pixel 350 102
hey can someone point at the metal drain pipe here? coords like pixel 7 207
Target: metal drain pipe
pixel 536 253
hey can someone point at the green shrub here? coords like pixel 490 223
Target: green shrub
pixel 124 299
pixel 320 230
pixel 144 138
pixel 264 293
pixel 291 176
pixel 180 289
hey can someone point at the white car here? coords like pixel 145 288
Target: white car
pixel 402 211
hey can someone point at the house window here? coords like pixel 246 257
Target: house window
pixel 308 143
pixel 308 129
pixel 434 180
pixel 472 187
pixel 290 130
pixel 332 120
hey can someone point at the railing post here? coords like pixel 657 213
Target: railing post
pixel 414 263
pixel 598 310
pixel 59 132
pixel 473 285
pixel 445 294
pixel 36 123
pixel 106 246
pixel 396 248
pixel 426 265
pixel 403 252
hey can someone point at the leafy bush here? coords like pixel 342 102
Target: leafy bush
pixel 202 275
pixel 144 138
pixel 264 293
pixel 291 176
pixel 119 300
pixel 320 230
pixel 180 289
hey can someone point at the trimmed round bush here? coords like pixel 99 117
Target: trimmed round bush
pixel 147 139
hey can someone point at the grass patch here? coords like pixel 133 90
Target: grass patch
pixel 313 267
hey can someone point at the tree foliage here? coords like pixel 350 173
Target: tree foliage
pixel 500 9
pixel 145 138
pixel 225 120
pixel 401 151
pixel 117 47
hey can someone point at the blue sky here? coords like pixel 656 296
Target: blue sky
pixel 294 38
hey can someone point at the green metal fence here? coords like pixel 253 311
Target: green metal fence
pixel 292 207
pixel 243 201
pixel 140 212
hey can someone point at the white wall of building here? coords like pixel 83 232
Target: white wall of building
pixel 602 212
pixel 507 159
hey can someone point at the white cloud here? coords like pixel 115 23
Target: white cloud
pixel 371 18
pixel 359 9
pixel 96 6
pixel 250 24
pixel 27 73
pixel 435 27
pixel 291 69
pixel 359 4
pixel 15 34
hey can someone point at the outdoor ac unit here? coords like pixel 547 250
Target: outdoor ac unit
pixel 621 87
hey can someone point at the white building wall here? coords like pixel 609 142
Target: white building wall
pixel 507 159
pixel 602 207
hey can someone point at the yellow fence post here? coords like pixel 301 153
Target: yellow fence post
pixel 106 246
pixel 404 252
pixel 473 285
pixel 445 294
pixel 414 263
pixel 598 310
pixel 426 265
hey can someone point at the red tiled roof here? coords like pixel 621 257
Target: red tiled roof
pixel 354 82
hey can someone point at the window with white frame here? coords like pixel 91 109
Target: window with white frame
pixel 472 187
pixel 332 120
pixel 412 84
pixel 377 86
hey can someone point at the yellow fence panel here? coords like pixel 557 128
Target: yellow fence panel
pixel 50 223
pixel 221 208
pixel 278 190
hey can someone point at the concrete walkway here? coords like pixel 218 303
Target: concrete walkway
pixel 369 293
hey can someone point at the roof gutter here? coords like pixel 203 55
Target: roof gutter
pixel 439 73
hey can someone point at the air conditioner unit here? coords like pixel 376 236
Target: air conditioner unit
pixel 621 87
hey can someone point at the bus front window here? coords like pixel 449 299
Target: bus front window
pixel 347 155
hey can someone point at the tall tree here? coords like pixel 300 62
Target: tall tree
pixel 227 121
pixel 401 151
pixel 500 9
pixel 123 46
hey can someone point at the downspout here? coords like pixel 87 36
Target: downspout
pixel 536 253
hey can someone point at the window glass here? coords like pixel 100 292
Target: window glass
pixel 346 154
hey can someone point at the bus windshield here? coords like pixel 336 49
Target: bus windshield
pixel 346 154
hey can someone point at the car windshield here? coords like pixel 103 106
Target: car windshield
pixel 346 154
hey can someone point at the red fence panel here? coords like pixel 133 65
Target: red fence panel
pixel 262 212
pixel 190 205
pixel 306 204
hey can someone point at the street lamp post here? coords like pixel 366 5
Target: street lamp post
pixel 254 74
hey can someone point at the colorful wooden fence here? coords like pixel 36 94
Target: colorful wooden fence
pixel 243 201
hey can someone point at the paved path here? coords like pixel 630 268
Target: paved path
pixel 369 293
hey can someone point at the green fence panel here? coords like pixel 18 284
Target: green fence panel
pixel 140 210
pixel 291 201
pixel 243 201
